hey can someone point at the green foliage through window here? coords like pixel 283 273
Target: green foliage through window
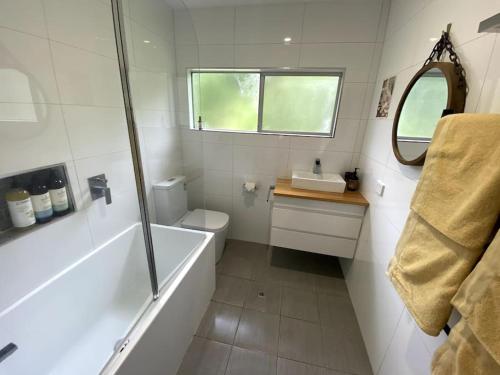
pixel 294 103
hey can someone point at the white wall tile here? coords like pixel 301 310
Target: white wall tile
pixel 360 136
pixel 354 57
pixel 186 57
pixel 23 15
pixel 185 33
pixel 376 303
pixel 38 140
pixel 107 220
pixel 218 182
pixel 407 353
pixel 475 57
pixel 27 76
pixel 146 118
pixel 151 90
pixel 261 140
pixel 96 131
pixel 489 101
pixel 377 143
pixel 352 100
pixel 217 137
pixel 331 162
pixel 268 24
pixel 150 50
pixel 87 25
pixel 266 55
pixel 251 220
pixel 261 160
pixel 196 197
pixel 218 156
pixel 36 257
pixel 341 22
pixel 156 15
pixel 214 25
pixel 86 78
pixel 345 137
pixel 216 56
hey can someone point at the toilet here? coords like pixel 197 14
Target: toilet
pixel 171 209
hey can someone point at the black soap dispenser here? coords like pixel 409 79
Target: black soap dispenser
pixel 352 180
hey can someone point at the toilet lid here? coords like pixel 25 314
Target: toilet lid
pixel 206 220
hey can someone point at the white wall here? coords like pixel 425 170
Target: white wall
pixel 395 345
pixel 66 50
pixel 336 34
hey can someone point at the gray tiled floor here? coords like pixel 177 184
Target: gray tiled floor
pixel 277 312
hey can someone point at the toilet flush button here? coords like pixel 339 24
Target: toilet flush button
pixel 380 188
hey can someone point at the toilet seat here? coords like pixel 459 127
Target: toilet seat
pixel 206 220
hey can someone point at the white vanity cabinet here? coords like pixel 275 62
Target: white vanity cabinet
pixel 316 226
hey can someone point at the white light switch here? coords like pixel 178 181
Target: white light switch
pixel 380 188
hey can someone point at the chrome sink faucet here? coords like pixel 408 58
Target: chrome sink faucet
pixel 317 166
pixel 99 188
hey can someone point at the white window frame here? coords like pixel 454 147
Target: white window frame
pixel 337 72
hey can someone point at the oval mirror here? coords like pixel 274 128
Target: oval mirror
pixel 432 93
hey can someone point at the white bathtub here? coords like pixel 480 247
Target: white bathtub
pixel 76 322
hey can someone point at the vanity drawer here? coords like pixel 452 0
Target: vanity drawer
pixel 316 243
pixel 325 223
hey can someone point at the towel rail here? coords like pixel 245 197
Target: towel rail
pixel 447 329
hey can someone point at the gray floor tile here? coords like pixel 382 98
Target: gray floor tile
pixel 345 351
pixel 252 251
pixel 297 280
pixel 265 297
pixel 233 265
pixel 231 290
pixel 265 273
pixel 301 341
pixel 331 285
pixel 258 330
pixel 205 357
pixel 336 311
pixel 289 367
pixel 300 304
pixel 220 322
pixel 248 362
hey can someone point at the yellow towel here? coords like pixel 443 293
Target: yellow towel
pixel 459 189
pixel 474 344
pixel 453 211
pixel 462 354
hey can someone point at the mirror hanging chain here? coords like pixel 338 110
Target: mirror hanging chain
pixel 444 44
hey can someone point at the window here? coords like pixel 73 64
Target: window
pixel 266 101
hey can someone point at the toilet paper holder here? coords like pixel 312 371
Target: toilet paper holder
pixel 255 187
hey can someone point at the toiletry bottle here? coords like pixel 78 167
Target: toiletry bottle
pixel 58 194
pixel 40 198
pixel 352 180
pixel 20 207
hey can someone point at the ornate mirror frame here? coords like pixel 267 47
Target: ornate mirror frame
pixel 457 90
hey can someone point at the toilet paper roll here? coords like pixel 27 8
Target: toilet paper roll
pixel 249 186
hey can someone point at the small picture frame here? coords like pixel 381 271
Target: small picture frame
pixel 384 103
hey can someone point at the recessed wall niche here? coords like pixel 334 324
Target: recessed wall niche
pixel 26 180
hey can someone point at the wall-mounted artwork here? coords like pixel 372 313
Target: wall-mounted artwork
pixel 385 97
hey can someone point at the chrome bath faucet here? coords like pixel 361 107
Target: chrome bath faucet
pixel 99 188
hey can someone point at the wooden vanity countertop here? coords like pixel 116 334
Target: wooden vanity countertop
pixel 284 189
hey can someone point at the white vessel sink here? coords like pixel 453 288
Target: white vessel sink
pixel 331 182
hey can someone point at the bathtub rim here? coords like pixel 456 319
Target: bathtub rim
pixel 155 306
